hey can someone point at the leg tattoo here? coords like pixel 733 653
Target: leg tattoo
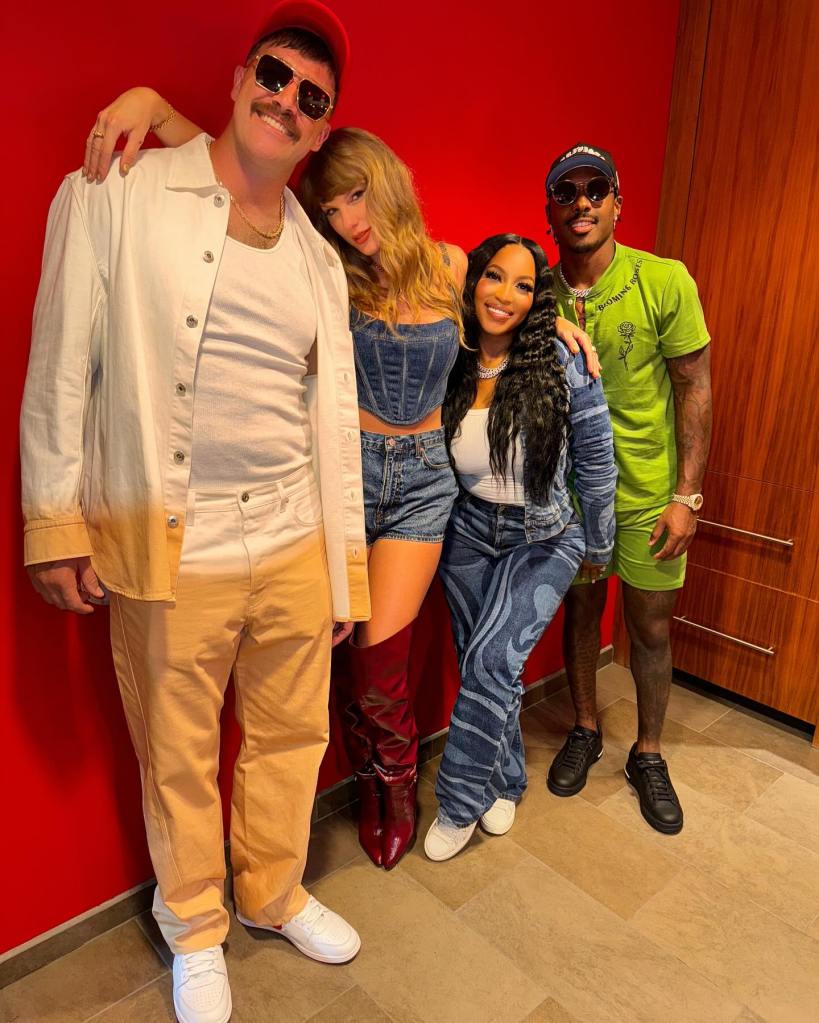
pixel 584 606
pixel 648 619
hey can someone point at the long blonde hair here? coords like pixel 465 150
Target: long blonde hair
pixel 414 265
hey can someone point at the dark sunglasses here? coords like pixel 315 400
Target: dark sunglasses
pixel 565 193
pixel 275 74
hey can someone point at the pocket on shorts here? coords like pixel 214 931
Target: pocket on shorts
pixel 306 506
pixel 435 456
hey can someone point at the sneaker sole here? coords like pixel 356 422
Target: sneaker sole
pixel 665 829
pixel 224 1019
pixel 556 790
pixel 305 951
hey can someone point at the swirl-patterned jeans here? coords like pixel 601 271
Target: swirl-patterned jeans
pixel 502 593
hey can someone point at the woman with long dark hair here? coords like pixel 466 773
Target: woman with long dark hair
pixel 520 415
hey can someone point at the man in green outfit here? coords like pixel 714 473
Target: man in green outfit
pixel 644 315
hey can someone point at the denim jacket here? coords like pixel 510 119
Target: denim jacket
pixel 586 467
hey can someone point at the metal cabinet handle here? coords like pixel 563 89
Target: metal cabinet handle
pixel 747 532
pixel 767 650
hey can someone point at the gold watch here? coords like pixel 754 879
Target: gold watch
pixel 692 501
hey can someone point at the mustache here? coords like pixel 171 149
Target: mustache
pixel 285 116
pixel 581 215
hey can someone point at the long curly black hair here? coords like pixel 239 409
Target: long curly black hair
pixel 530 394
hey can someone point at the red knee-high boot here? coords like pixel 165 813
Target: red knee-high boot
pixel 382 696
pixel 359 747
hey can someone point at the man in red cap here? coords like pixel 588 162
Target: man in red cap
pixel 168 459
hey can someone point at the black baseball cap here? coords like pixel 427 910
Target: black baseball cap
pixel 582 154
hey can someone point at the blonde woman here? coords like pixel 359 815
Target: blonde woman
pixel 405 319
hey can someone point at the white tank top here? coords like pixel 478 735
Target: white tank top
pixel 470 456
pixel 250 420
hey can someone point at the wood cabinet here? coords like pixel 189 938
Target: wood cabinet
pixel 741 161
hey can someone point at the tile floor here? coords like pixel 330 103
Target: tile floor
pixel 582 912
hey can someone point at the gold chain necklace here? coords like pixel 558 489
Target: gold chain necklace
pixel 270 236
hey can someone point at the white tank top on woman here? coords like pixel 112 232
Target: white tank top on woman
pixel 250 421
pixel 470 458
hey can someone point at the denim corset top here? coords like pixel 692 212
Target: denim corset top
pixel 401 377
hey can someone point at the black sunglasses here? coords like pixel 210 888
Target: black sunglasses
pixel 275 74
pixel 565 193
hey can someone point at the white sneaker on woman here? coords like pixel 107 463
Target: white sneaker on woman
pixel 499 818
pixel 201 992
pixel 444 841
pixel 317 932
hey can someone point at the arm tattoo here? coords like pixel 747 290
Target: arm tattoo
pixel 691 379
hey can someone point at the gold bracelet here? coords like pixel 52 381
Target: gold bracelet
pixel 162 124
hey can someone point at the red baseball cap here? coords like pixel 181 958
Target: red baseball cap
pixel 316 17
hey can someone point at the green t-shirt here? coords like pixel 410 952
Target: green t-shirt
pixel 642 311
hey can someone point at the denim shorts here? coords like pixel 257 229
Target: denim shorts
pixel 409 486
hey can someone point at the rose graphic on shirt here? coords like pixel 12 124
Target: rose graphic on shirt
pixel 626 330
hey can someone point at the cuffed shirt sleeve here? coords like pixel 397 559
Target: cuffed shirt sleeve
pixel 591 450
pixel 64 355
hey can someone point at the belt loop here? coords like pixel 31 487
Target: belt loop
pixel 419 447
pixel 283 498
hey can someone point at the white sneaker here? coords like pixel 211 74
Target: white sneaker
pixel 201 992
pixel 499 818
pixel 318 932
pixel 444 841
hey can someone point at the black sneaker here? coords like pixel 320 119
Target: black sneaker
pixel 647 773
pixel 581 750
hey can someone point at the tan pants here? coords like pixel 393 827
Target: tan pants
pixel 253 596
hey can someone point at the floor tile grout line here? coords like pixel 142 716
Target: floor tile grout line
pixel 338 998
pixel 136 991
pixel 335 999
pixel 727 710
pixel 735 893
pixel 626 922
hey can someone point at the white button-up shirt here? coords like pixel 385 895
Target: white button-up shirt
pixel 128 273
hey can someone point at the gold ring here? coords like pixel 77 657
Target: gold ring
pixel 97 134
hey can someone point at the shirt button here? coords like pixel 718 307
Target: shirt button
pixel 345 377
pixel 179 456
pixel 192 321
pixel 245 496
pixel 355 552
pixel 207 256
pixel 351 435
pixel 181 389
pixel 218 200
pixel 173 521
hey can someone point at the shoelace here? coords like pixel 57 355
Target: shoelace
pixel 197 964
pixel 449 832
pixel 312 916
pixel 657 781
pixel 577 748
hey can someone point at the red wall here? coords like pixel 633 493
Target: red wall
pixel 477 97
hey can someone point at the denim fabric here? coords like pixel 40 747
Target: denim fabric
pixel 401 377
pixel 502 592
pixel 587 464
pixel 409 486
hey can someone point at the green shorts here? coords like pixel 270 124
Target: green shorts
pixel 632 560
